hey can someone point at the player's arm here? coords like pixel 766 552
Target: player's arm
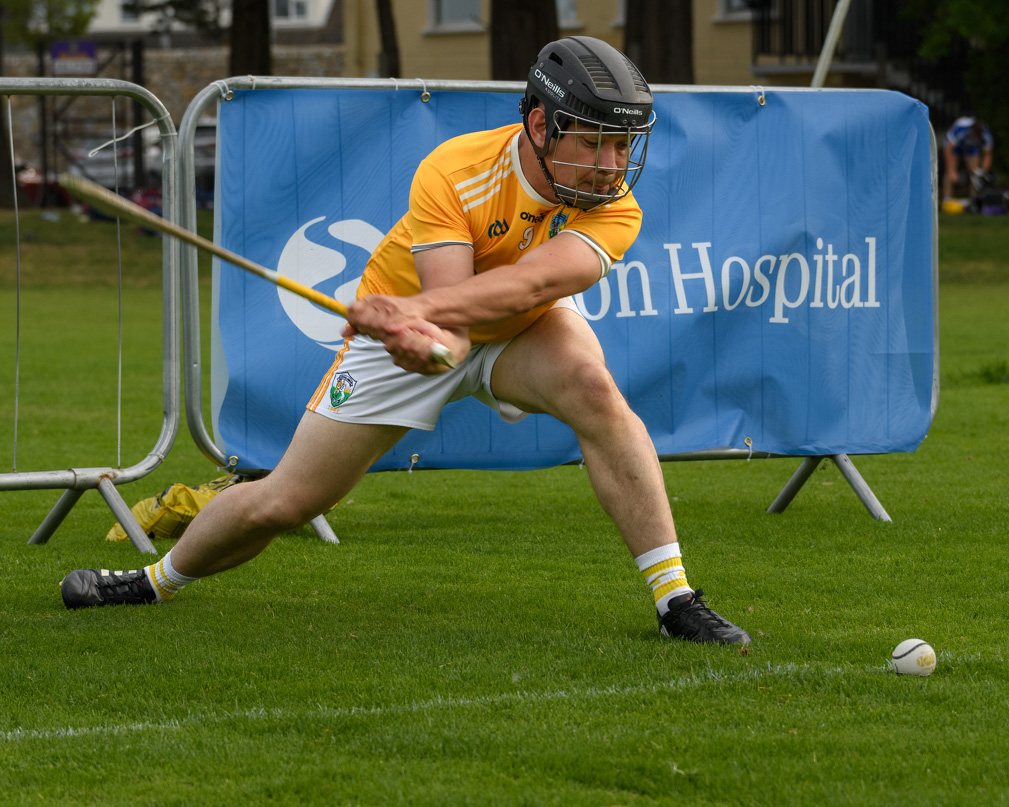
pixel 454 297
pixel 560 267
pixel 395 320
pixel 987 157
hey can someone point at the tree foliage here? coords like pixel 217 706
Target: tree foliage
pixel 249 34
pixel 203 15
pixel 981 23
pixel 977 31
pixel 36 23
pixel 39 21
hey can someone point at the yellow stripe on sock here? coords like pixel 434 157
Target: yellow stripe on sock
pixel 164 593
pixel 665 588
pixel 657 574
pixel 669 563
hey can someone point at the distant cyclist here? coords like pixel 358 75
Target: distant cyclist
pixel 503 227
pixel 968 151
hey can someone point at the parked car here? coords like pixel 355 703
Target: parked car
pixel 204 155
pixel 109 166
pixel 97 160
pixel 37 192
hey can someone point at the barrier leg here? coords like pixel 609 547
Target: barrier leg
pixel 805 470
pixel 862 490
pixel 323 530
pixel 125 517
pixel 59 512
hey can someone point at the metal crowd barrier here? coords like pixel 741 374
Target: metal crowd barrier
pixel 75 481
pixel 220 92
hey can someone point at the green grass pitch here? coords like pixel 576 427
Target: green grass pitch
pixel 484 638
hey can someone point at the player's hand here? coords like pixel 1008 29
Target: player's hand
pixel 375 314
pixel 410 345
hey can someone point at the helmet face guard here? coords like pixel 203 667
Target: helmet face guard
pixel 593 96
pixel 595 163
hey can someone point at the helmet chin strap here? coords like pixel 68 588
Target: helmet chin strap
pixel 550 180
pixel 536 151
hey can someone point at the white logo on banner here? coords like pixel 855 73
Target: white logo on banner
pixel 313 264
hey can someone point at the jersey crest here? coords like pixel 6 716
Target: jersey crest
pixel 557 223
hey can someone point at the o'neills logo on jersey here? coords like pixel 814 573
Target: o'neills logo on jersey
pixel 555 88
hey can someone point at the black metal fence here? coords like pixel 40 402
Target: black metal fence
pixel 879 38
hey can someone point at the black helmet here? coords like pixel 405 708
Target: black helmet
pixel 582 79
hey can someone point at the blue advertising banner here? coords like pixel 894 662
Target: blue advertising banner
pixel 780 294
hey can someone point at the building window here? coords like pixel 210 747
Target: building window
pixel 734 10
pixel 128 12
pixel 567 14
pixel 290 9
pixel 455 14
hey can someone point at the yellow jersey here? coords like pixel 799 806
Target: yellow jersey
pixel 471 190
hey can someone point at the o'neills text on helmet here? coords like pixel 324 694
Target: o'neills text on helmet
pixel 624 111
pixel 556 89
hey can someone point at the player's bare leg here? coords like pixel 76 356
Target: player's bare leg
pixel 321 466
pixel 971 164
pixel 323 463
pixel 557 367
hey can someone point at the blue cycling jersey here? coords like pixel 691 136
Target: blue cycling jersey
pixel 965 142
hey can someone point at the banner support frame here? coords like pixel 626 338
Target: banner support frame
pixel 848 471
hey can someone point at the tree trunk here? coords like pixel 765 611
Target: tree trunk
pixel 659 39
pixel 388 57
pixel 250 38
pixel 518 31
pixel 6 169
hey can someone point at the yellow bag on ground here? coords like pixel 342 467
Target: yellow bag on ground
pixel 168 514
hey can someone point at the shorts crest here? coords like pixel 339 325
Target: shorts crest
pixel 341 389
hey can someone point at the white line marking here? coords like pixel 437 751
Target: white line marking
pixel 695 680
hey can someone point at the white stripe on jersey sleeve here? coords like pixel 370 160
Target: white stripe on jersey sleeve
pixel 436 244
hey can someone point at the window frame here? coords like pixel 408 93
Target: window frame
pixel 435 25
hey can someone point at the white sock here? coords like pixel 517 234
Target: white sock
pixel 165 579
pixel 664 572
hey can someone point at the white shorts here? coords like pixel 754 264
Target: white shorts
pixel 365 386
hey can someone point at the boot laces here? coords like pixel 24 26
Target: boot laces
pixel 127 584
pixel 701 611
